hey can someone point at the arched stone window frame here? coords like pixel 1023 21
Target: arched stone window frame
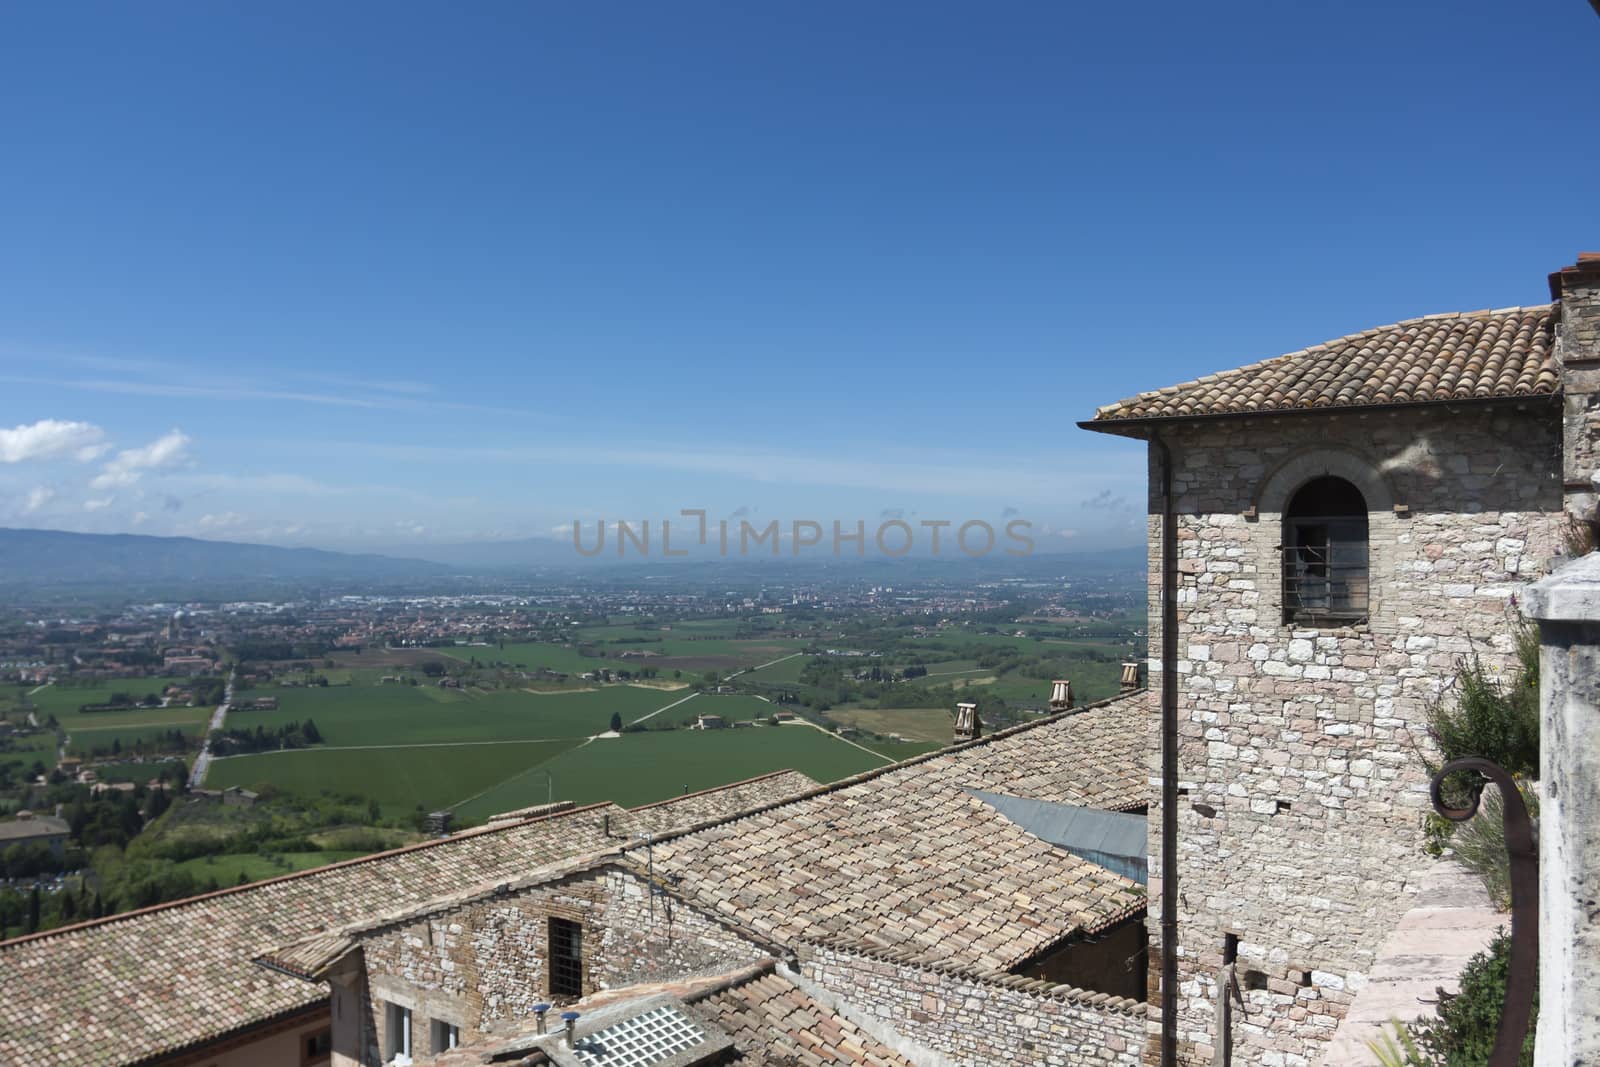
pixel 1277 489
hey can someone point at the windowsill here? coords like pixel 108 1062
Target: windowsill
pixel 1328 622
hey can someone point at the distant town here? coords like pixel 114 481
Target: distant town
pixel 150 750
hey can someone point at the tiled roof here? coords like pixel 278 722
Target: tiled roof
pixel 713 803
pixel 1459 357
pixel 162 979
pixel 905 858
pixel 155 981
pixel 773 1021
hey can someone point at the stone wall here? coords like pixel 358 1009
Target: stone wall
pixel 483 965
pixel 1579 348
pixel 1300 827
pixel 981 1020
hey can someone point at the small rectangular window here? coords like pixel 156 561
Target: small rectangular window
pixel 446 1036
pixel 316 1047
pixel 397 1035
pixel 566 958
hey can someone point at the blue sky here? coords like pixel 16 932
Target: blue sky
pixel 372 274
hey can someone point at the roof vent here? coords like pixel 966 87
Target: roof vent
pixel 968 728
pixel 1060 695
pixel 571 1019
pixel 1130 676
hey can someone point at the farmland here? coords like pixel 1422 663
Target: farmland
pixel 405 746
pixel 913 724
pixel 639 768
pixel 399 779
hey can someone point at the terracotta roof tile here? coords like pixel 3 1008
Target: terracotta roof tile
pixel 771 1020
pixel 155 981
pixel 907 859
pixel 1476 355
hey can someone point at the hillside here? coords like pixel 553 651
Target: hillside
pixel 40 557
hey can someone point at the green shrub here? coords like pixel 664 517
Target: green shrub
pixel 1493 717
pixel 1462 1033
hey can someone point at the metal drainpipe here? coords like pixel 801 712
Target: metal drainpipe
pixel 1169 760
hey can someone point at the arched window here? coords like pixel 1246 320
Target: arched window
pixel 1325 554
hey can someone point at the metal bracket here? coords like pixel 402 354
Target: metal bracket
pixel 1522 973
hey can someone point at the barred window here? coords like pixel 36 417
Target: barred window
pixel 566 958
pixel 1325 554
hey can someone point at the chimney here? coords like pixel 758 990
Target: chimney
pixel 1578 352
pixel 1060 695
pixel 967 726
pixel 1130 676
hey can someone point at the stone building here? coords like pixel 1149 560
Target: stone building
pixel 1348 522
pixel 904 915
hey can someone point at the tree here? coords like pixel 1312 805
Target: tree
pixel 33 910
pixel 313 736
pixel 616 722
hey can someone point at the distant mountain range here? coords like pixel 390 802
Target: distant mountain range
pixel 55 557
pixel 38 557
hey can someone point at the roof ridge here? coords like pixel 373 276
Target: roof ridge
pixel 716 789
pixel 878 772
pixel 475 832
pixel 734 979
pixel 1345 339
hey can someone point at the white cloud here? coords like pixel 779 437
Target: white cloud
pixel 98 504
pixel 220 521
pixel 139 518
pixel 37 498
pixel 49 438
pixel 130 464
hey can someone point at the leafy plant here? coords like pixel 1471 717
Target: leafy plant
pixel 1398 1049
pixel 1482 714
pixel 1462 1033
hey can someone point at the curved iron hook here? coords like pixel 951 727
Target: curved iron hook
pixel 1522 970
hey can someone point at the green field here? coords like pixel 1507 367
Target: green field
pixel 63 701
pixel 226 870
pixel 403 714
pixel 644 767
pixel 900 750
pixel 135 772
pixel 787 670
pixel 21 752
pixel 670 650
pixel 913 724
pixel 130 728
pixel 399 779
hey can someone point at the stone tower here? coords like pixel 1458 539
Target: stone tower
pixel 1349 520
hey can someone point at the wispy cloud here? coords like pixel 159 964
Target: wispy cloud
pixel 37 498
pixel 220 521
pixel 130 464
pixel 381 401
pixel 50 439
pixel 1034 481
pixel 1105 500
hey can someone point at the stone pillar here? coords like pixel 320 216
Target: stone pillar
pixel 1567 607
